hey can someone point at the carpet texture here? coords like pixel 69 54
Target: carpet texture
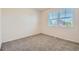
pixel 40 42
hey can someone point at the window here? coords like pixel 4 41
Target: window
pixel 61 18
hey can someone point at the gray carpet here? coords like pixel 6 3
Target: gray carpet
pixel 40 42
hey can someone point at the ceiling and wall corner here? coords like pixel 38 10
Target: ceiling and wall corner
pixel 41 9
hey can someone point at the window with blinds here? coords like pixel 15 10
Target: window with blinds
pixel 62 18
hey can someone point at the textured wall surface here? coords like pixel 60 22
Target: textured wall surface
pixel 18 23
pixel 71 34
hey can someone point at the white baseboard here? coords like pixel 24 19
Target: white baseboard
pixel 62 38
pixel 20 37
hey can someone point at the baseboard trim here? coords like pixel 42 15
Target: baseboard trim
pixel 22 37
pixel 44 34
pixel 62 39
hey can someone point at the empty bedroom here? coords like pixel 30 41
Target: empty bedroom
pixel 39 29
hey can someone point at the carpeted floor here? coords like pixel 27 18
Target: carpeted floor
pixel 40 42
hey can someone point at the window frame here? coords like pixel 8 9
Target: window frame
pixel 68 14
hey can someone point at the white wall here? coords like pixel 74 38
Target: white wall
pixel 71 34
pixel 0 29
pixel 18 23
